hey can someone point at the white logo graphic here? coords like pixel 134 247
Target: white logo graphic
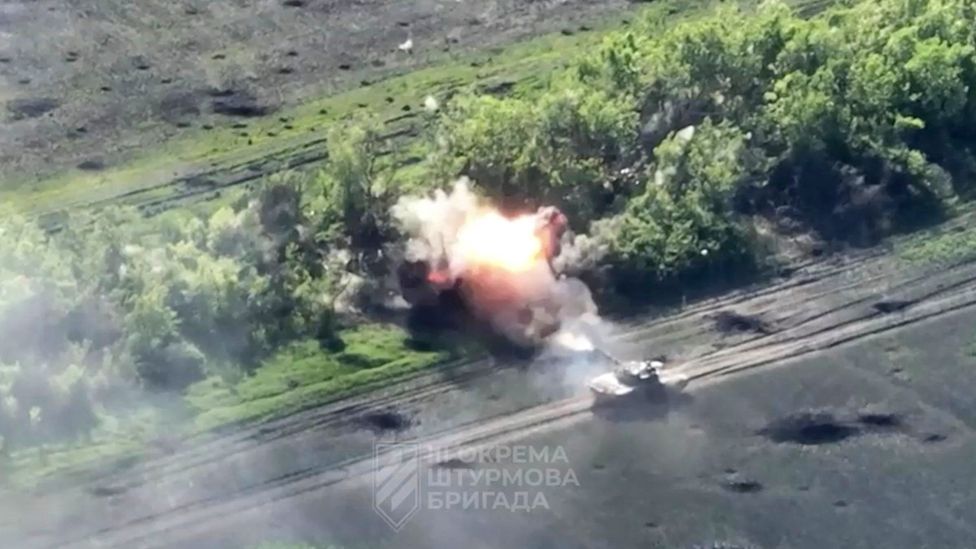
pixel 396 481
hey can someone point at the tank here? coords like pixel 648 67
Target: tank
pixel 635 377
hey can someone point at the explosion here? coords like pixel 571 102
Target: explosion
pixel 492 240
pixel 502 267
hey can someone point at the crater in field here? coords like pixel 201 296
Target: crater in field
pixel 178 105
pixel 238 104
pixel 91 165
pixel 743 486
pixel 880 420
pixel 808 429
pixel 729 322
pixel 814 428
pixel 892 305
pixel 31 107
pixel 386 420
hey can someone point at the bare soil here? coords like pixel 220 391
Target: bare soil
pixel 84 83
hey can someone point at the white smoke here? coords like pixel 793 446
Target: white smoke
pixel 538 304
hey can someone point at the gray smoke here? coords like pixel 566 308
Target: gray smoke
pixel 537 303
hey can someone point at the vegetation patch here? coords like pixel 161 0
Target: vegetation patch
pixel 302 375
pixel 942 247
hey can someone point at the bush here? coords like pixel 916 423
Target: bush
pixel 681 222
pixel 560 149
pixel 350 200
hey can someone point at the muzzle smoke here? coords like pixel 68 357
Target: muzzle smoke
pixel 509 271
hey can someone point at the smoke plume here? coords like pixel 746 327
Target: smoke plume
pixel 510 271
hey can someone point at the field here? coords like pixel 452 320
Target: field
pixel 842 412
pixel 281 75
pixel 85 152
pixel 829 398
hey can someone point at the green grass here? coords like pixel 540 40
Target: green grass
pixel 937 247
pixel 305 375
pixel 116 439
pixel 300 376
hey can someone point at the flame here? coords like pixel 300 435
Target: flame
pixel 493 240
pixel 439 278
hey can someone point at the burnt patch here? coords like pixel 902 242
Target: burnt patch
pixel 888 306
pixel 91 165
pixel 743 486
pixel 880 420
pixel 33 107
pixel 243 105
pixel 386 420
pixel 177 105
pixel 808 430
pixel 731 322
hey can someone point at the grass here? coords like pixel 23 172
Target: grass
pixel 265 142
pixel 939 247
pixel 305 375
pixel 115 440
pixel 298 377
pixel 199 150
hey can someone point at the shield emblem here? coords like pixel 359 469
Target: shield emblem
pixel 396 481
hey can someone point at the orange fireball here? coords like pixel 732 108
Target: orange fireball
pixel 493 240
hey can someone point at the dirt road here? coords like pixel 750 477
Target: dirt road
pixel 822 328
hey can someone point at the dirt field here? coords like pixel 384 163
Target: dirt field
pixel 831 408
pixel 86 84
